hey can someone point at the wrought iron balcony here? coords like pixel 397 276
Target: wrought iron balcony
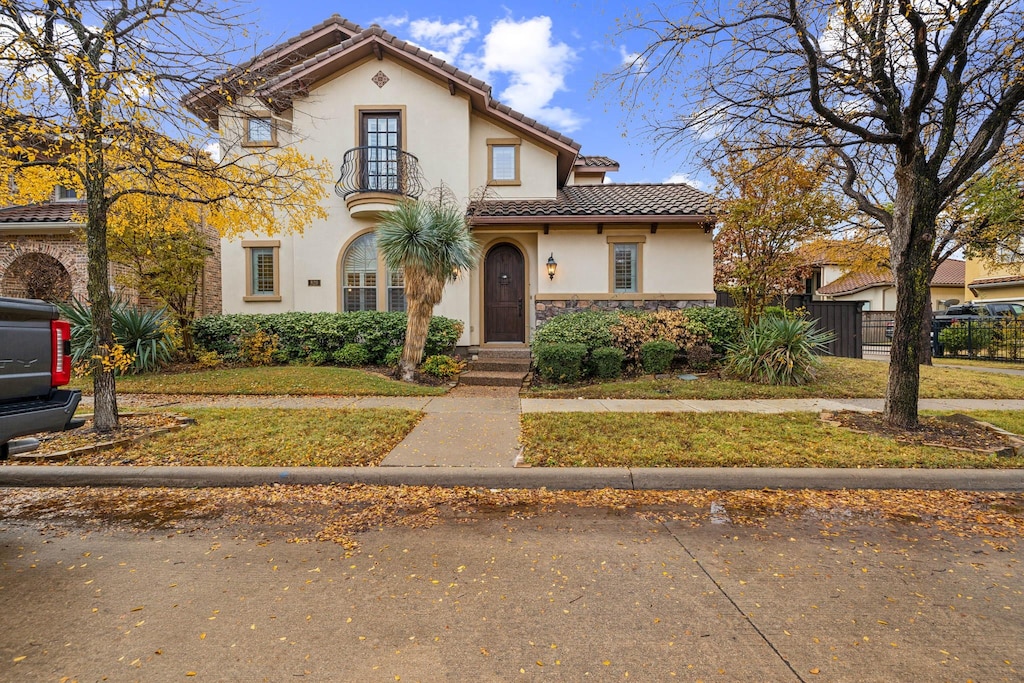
pixel 384 170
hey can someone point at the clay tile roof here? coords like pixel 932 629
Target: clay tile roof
pixel 1003 279
pixel 596 162
pixel 48 212
pixel 613 199
pixel 950 273
pixel 376 32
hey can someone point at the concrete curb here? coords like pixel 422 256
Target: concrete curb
pixel 580 478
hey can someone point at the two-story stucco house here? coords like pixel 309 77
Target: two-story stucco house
pixel 396 121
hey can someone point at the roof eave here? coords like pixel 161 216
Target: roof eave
pixel 588 219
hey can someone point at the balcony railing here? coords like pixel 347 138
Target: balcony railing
pixel 387 170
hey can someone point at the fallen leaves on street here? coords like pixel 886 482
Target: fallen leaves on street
pixel 340 513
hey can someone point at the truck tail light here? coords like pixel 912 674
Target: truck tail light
pixel 60 367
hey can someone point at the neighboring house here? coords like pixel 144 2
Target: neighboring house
pixel 556 236
pixel 43 255
pixel 878 290
pixel 986 281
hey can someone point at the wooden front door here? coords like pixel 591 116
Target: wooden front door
pixel 504 295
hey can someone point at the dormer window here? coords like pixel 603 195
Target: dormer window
pixel 66 194
pixel 260 131
pixel 503 161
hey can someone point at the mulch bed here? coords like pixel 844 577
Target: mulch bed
pixel 58 446
pixel 948 431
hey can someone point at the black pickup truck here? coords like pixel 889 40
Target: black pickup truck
pixel 35 359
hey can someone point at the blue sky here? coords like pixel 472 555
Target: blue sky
pixel 542 58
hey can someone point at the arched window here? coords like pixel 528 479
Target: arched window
pixel 360 274
pixel 360 269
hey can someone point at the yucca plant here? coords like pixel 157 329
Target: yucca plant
pixel 431 242
pixel 144 334
pixel 778 351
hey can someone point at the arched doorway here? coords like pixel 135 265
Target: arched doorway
pixel 37 276
pixel 504 294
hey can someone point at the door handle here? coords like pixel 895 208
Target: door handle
pixel 520 308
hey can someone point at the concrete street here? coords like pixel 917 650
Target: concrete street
pixel 508 593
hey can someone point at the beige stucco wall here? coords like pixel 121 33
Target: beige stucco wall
pixel 538 172
pixel 884 298
pixel 976 269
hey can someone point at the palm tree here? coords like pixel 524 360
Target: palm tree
pixel 431 242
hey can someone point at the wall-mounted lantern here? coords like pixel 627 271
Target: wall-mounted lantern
pixel 552 265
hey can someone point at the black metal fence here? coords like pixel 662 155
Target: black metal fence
pixel 994 339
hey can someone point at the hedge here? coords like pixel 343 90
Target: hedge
pixel 319 336
pixel 560 362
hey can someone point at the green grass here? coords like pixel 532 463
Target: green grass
pixel 266 437
pixel 840 378
pixel 275 380
pixel 722 440
pixel 1019 365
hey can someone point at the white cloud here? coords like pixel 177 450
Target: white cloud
pixel 391 21
pixel 445 40
pixel 633 60
pixel 213 149
pixel 686 179
pixel 535 66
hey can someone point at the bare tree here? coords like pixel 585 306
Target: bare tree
pixel 913 98
pixel 90 99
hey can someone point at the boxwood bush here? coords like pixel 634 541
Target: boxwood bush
pixel 590 328
pixel 316 337
pixel 724 324
pixel 606 362
pixel 656 356
pixel 560 362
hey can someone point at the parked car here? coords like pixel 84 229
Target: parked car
pixel 35 360
pixel 981 311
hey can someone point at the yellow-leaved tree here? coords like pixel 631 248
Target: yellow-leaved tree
pixel 90 99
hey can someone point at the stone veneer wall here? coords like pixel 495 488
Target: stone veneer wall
pixel 550 308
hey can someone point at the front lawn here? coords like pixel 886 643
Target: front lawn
pixel 840 378
pixel 275 380
pixel 265 437
pixel 723 440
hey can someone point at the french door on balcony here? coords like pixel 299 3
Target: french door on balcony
pixel 381 135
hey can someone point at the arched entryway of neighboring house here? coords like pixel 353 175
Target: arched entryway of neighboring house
pixel 504 294
pixel 35 275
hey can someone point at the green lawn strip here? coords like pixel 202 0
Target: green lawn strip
pixel 953 360
pixel 275 380
pixel 271 437
pixel 840 378
pixel 721 440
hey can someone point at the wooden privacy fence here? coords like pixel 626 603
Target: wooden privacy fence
pixel 842 318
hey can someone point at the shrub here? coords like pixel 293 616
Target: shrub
pixel 392 358
pixel 144 335
pixel 257 348
pixel 607 362
pixel 962 336
pixel 778 351
pixel 724 325
pixel 315 337
pixel 351 356
pixel 209 360
pixel 634 329
pixel 656 356
pixel 444 367
pixel 560 362
pixel 699 357
pixel 590 328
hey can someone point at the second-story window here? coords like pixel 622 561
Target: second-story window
pixel 66 194
pixel 503 161
pixel 381 136
pixel 259 130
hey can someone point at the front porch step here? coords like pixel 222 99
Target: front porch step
pixel 501 365
pixel 494 352
pixel 492 379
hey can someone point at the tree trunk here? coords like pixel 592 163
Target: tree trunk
pixel 105 418
pixel 911 239
pixel 422 292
